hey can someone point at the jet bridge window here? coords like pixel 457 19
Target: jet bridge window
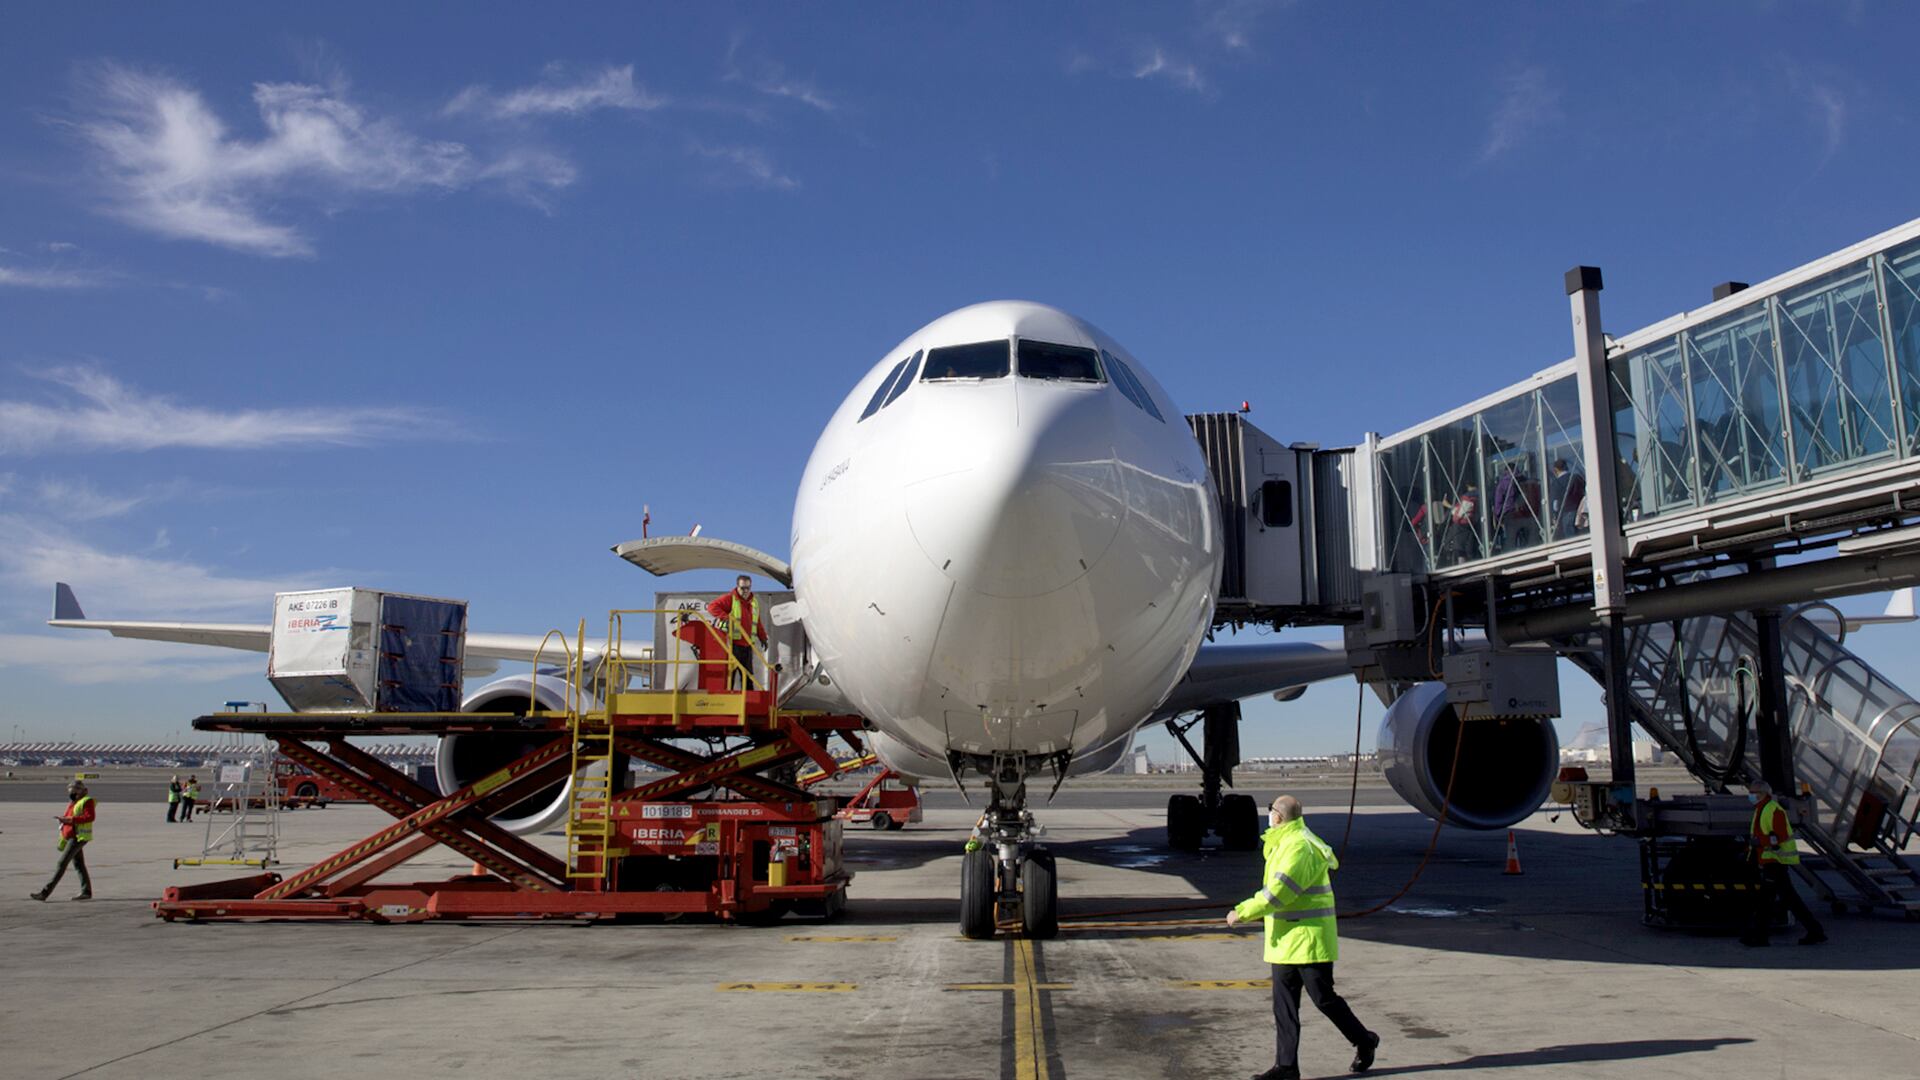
pixel 1060 363
pixel 1130 385
pixel 984 360
pixel 880 396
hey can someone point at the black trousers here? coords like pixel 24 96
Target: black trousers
pixel 743 654
pixel 173 807
pixel 74 855
pixel 1777 886
pixel 186 809
pixel 1288 979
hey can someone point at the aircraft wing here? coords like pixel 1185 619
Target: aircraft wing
pixel 1223 673
pixel 1899 610
pixel 484 651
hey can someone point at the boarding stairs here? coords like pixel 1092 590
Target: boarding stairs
pixel 1856 738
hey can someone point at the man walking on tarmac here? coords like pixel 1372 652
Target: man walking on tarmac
pixel 741 611
pixel 1296 899
pixel 76 832
pixel 1770 836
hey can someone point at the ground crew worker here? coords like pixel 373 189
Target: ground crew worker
pixel 173 796
pixel 741 611
pixel 1773 850
pixel 1296 900
pixel 76 832
pixel 188 796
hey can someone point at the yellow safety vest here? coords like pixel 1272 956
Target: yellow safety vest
pixel 1788 853
pixel 1296 896
pixel 737 630
pixel 82 831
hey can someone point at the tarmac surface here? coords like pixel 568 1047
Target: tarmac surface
pixel 1471 974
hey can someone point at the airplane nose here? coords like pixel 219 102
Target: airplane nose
pixel 1033 515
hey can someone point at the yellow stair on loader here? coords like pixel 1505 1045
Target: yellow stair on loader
pixel 590 809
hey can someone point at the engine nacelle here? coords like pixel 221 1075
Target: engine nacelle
pixel 462 759
pixel 1506 766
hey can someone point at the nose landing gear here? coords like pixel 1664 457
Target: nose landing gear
pixel 1235 819
pixel 1006 876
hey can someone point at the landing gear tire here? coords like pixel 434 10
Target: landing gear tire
pixel 1184 823
pixel 977 898
pixel 1239 823
pixel 1040 896
pixel 881 821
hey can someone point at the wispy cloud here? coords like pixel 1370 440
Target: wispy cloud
pixel 99 412
pixel 1158 64
pixel 173 168
pixel 772 77
pixel 20 277
pixel 560 92
pixel 748 164
pixel 79 500
pixel 1231 23
pixel 1826 102
pixel 91 658
pixel 34 555
pixel 1528 102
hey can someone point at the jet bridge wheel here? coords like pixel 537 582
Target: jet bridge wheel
pixel 1040 896
pixel 978 899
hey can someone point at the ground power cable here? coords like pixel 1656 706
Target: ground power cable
pixel 1079 922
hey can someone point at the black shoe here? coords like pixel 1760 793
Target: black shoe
pixel 1753 942
pixel 41 895
pixel 1363 1054
pixel 1818 937
pixel 1278 1073
pixel 84 896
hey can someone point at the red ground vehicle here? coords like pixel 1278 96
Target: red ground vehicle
pixel 299 787
pixel 888 801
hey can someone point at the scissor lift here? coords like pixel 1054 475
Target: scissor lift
pixel 716 836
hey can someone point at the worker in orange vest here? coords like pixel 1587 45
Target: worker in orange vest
pixel 1773 850
pixel 739 612
pixel 76 832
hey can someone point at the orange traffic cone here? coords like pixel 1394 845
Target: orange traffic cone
pixel 1513 856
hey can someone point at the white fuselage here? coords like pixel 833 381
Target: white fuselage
pixel 1006 564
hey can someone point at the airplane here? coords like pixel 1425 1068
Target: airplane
pixel 1005 554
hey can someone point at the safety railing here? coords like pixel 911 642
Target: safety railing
pixel 680 679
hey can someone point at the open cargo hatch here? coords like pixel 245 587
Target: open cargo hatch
pixel 663 555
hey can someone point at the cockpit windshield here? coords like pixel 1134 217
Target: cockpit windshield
pixel 984 360
pixel 1062 363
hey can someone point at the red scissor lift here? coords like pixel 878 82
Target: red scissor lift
pixel 752 850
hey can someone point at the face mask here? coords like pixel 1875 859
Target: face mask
pixel 1753 798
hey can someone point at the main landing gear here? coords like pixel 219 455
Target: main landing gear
pixel 1006 877
pixel 1235 819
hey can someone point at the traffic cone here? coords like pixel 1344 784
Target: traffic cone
pixel 1513 856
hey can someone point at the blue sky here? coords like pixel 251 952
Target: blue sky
pixel 436 302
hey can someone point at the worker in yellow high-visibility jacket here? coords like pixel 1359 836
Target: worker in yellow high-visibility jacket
pixel 1773 850
pixel 739 611
pixel 76 832
pixel 1296 900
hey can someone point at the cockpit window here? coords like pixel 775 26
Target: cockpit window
pixel 905 380
pixel 1062 363
pixel 886 384
pixel 1131 386
pixel 985 360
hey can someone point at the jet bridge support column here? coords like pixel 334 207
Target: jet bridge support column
pixel 1603 511
pixel 1772 731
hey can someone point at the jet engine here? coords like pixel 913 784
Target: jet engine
pixel 1505 770
pixel 461 759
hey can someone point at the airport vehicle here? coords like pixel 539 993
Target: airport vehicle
pixel 887 801
pixel 304 787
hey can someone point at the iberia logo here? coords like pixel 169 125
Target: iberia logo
pixel 316 623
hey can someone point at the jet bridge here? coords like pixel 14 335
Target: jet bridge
pixel 1664 509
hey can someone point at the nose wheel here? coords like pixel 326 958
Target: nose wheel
pixel 1006 877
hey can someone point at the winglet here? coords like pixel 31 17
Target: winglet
pixel 1900 604
pixel 66 607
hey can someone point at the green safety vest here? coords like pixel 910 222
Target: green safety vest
pixel 738 630
pixel 1296 896
pixel 173 794
pixel 82 831
pixel 1788 853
